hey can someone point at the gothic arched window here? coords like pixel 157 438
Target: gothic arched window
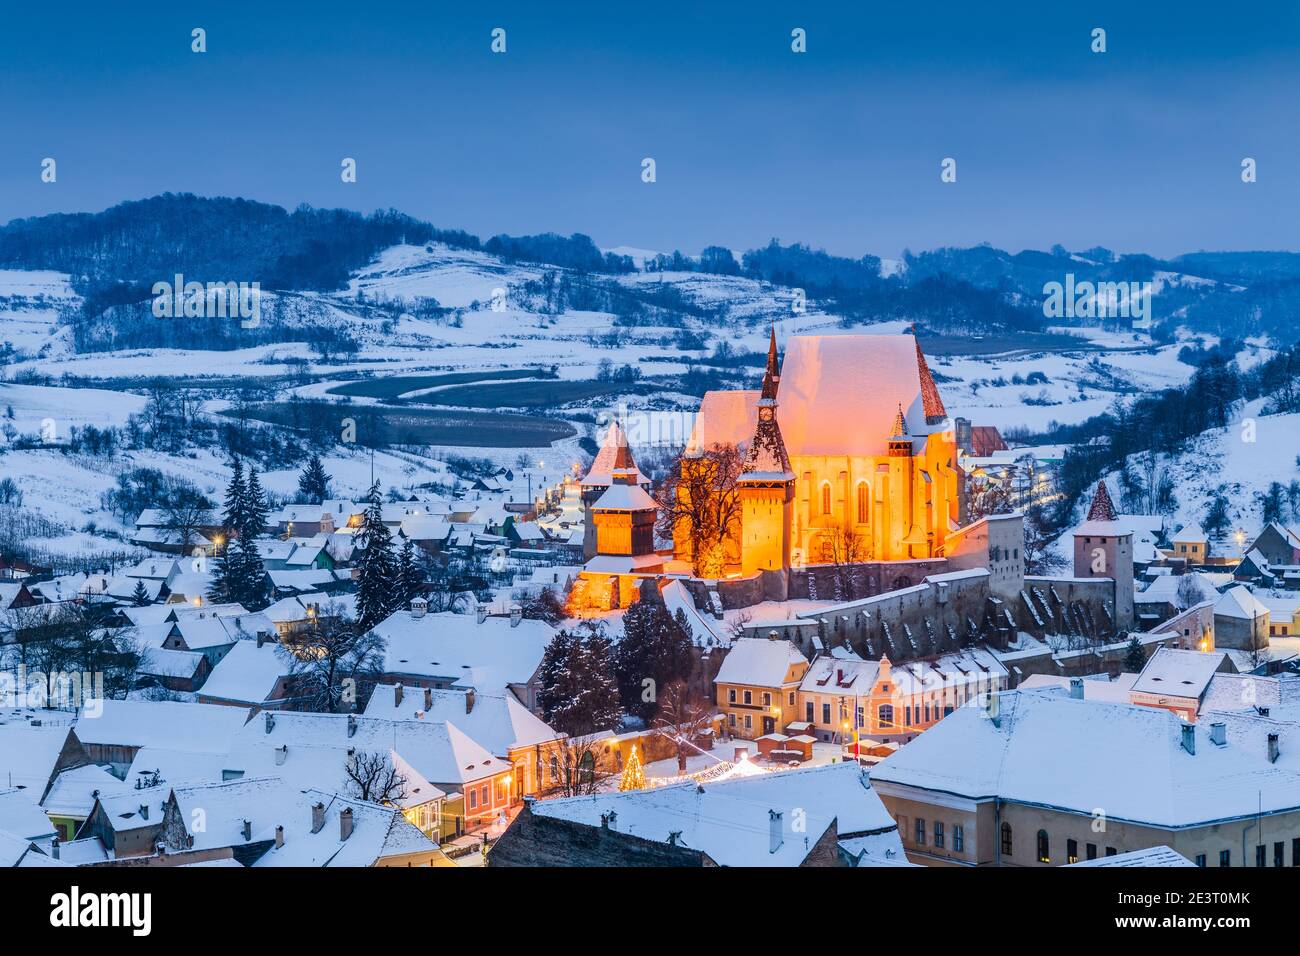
pixel 826 498
pixel 864 502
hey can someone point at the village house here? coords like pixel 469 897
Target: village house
pixel 757 687
pixel 445 650
pixel 498 722
pixel 1177 680
pixel 1019 782
pixel 746 821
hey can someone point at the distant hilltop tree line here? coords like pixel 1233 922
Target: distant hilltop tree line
pixel 114 256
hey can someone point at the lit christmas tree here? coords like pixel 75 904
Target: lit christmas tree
pixel 633 773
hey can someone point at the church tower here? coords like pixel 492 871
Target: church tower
pixel 766 484
pixel 614 456
pixel 1103 548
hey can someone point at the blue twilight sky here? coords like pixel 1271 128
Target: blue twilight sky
pixel 1137 149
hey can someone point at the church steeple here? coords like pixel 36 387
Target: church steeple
pixel 772 375
pixel 1102 508
pixel 900 446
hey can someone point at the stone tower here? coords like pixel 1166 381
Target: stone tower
pixel 766 485
pixel 1103 548
pixel 614 456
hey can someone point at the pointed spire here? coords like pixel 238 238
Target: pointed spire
pixel 614 455
pixel 900 425
pixel 1102 508
pixel 772 375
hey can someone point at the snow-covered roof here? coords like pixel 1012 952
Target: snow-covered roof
pixel 1076 755
pixel 73 791
pixel 496 721
pixel 614 455
pixel 449 645
pixel 831 675
pixel 377 832
pixel 759 662
pixel 160 662
pixel 1178 673
pixel 1164 589
pixel 724 418
pixel 1095 687
pixel 21 817
pixel 206 728
pixel 28 755
pixel 317 744
pixel 1240 603
pixel 625 497
pixel 730 821
pixel 248 673
pixel 1152 856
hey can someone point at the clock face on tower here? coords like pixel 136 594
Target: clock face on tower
pixel 765 414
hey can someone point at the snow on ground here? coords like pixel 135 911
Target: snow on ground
pixel 29 310
pixel 65 407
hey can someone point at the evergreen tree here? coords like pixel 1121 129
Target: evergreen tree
pixel 633 773
pixel 314 483
pixel 407 584
pixel 655 651
pixel 1134 657
pixel 578 694
pixel 376 566
pixel 256 509
pixel 139 597
pixel 1216 515
pixel 239 576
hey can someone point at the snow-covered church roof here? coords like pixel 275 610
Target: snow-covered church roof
pixel 838 393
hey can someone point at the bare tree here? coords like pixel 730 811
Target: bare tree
pixel 333 664
pixel 372 777
pixel 848 547
pixel 700 500
pixel 183 518
pixel 579 765
pixel 683 714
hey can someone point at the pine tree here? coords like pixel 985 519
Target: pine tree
pixel 314 483
pixel 239 576
pixel 376 566
pixel 1134 657
pixel 228 573
pixel 139 597
pixel 633 773
pixel 407 584
pixel 655 651
pixel 578 695
pixel 256 508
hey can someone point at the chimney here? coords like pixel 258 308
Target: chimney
pixel 1218 733
pixel 1189 738
pixel 516 615
pixel 775 839
pixel 279 836
pixel 270 722
pixel 397 695
pixel 345 823
pixel 281 754
pixel 428 699
pixel 469 701
pixel 317 817
pixel 1263 711
pixel 419 606
pixel 352 724
pixel 261 639
pixel 1076 688
pixel 248 830
pixel 1274 749
pixel 144 811
pixel 481 612
pixel 54 848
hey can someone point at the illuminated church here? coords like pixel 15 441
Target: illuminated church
pixel 849 456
